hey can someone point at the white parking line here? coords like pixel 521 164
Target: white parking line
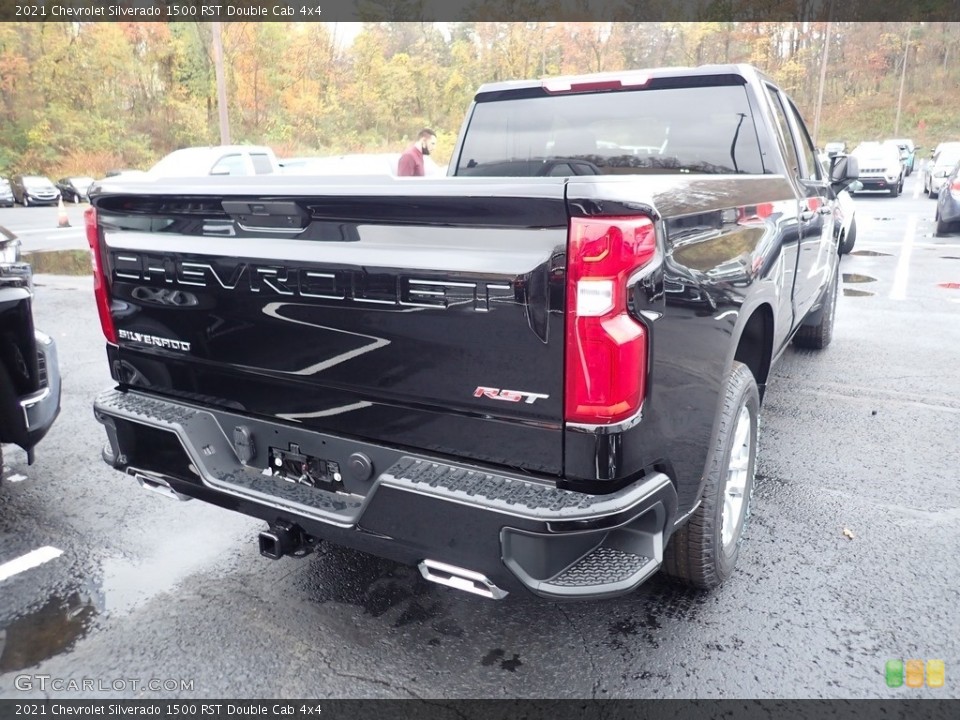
pixel 899 291
pixel 916 190
pixel 29 561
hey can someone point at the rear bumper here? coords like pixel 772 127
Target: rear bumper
pixel 515 531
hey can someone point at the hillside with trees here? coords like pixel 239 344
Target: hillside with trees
pixel 87 97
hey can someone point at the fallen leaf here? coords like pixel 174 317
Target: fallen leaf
pixel 848 533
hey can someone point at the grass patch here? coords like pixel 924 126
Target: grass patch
pixel 60 262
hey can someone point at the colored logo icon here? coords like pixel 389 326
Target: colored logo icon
pixel 914 673
pixel 894 673
pixel 936 671
pixel 897 673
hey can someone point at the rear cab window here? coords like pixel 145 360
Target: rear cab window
pixel 661 129
pixel 261 163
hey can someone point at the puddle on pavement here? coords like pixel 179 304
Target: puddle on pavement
pixel 122 584
pixel 60 262
pixel 870 253
pixel 850 292
pixel 127 583
pixel 855 278
pixel 44 633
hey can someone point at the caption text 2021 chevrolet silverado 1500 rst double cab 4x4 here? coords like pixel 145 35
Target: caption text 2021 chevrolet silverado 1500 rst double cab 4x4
pixel 542 372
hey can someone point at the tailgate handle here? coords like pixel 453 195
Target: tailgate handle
pixel 280 216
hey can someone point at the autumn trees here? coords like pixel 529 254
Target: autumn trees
pixel 85 97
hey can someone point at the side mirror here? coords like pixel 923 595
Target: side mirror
pixel 844 170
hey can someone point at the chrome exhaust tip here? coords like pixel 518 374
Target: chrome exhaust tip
pixel 157 484
pixel 460 579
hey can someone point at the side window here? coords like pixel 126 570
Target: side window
pixel 230 165
pixel 786 137
pixel 806 145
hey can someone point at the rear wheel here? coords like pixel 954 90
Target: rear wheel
pixel 703 552
pixel 849 238
pixel 943 228
pixel 816 332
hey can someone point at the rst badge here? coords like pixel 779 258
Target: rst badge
pixel 508 395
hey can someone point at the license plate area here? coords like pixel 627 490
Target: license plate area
pixel 294 466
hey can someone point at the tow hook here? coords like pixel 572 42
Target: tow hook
pixel 284 538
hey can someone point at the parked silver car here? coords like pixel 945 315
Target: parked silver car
pixel 935 172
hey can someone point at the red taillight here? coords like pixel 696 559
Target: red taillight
pixel 606 348
pixel 100 289
pixel 955 187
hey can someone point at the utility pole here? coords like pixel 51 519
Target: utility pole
pixel 221 85
pixel 903 77
pixel 823 79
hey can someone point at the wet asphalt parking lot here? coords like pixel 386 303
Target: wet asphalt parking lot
pixel 850 558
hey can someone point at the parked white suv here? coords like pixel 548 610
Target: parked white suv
pixel 880 167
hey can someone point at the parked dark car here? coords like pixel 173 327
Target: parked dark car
pixel 34 190
pixel 29 372
pixel 948 203
pixel 74 188
pixel 6 193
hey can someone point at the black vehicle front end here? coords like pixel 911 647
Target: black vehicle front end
pixel 29 369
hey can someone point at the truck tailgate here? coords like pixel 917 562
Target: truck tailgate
pixel 424 314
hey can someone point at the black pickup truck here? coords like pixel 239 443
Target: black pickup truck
pixel 543 371
pixel 29 371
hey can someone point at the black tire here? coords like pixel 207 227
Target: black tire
pixel 894 191
pixel 943 228
pixel 816 331
pixel 697 554
pixel 850 238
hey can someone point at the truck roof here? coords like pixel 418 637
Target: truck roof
pixel 617 79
